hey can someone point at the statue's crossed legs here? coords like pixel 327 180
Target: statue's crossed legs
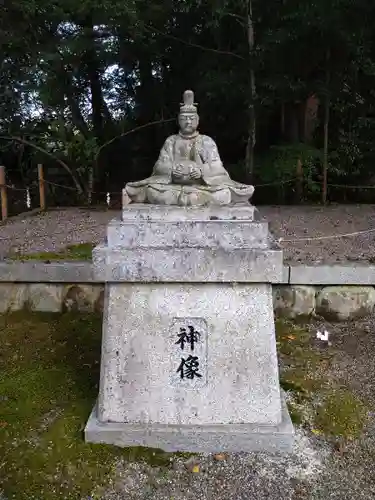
pixel 174 194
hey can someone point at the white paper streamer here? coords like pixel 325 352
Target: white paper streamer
pixel 28 198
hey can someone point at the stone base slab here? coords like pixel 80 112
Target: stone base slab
pixel 187 265
pixel 189 234
pixel 141 212
pixel 234 438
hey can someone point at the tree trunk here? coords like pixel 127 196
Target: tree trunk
pixel 326 124
pixel 282 121
pixel 93 72
pixel 146 89
pixel 92 66
pixel 251 138
pixel 77 117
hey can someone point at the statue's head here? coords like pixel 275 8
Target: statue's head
pixel 188 118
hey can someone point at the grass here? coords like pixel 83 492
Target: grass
pixel 80 251
pixel 49 372
pixel 317 401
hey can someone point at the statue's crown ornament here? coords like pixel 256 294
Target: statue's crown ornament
pixel 188 106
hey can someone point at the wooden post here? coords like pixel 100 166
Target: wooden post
pixel 299 181
pixel 3 193
pixel 42 194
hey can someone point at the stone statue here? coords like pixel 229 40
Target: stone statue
pixel 189 170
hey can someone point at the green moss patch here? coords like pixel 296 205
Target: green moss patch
pixel 49 373
pixel 81 251
pixel 315 399
pixel 341 414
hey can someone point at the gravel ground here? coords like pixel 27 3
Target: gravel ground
pixel 315 470
pixel 301 222
pixel 58 228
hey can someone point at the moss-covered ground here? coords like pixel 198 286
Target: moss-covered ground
pixel 49 373
pixel 79 251
pixel 49 370
pixel 316 399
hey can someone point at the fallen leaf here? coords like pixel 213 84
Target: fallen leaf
pixel 317 432
pixel 220 457
pixel 289 337
pixel 195 468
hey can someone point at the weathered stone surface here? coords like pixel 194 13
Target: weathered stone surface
pixel 43 297
pixel 81 297
pixel 39 272
pixel 140 381
pixel 288 301
pixel 199 439
pixel 191 234
pixel 188 330
pixel 193 265
pixel 286 274
pixel 345 302
pixel 162 213
pixel 99 304
pixel 293 301
pixel 12 297
pixel 332 275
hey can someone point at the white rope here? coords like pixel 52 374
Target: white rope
pixel 333 236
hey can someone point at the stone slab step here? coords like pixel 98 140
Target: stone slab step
pixel 189 234
pixel 139 212
pixel 187 265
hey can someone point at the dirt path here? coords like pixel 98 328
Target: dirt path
pixel 58 228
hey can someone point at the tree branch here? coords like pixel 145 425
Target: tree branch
pixel 240 20
pixel 47 153
pixel 195 45
pixel 130 132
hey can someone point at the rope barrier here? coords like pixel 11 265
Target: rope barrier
pixel 275 183
pixel 349 187
pixel 109 194
pixel 60 185
pixel 13 187
pixel 281 240
pixel 120 192
pixel 333 236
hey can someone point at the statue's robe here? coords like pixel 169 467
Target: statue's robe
pixel 204 152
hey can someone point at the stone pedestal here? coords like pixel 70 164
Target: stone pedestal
pixel 189 357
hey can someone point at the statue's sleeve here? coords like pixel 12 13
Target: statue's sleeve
pixel 163 166
pixel 213 170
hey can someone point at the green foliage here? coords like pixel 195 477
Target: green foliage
pixel 280 165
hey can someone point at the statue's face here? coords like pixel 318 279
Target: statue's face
pixel 188 122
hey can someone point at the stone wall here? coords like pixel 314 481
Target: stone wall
pixel 335 293
pixel 48 297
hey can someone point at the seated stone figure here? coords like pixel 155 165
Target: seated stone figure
pixel 189 170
